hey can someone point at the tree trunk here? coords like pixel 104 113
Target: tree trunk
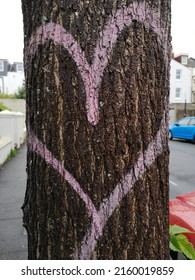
pixel 97 82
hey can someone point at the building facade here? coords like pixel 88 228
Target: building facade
pixel 11 76
pixel 180 83
pixel 182 87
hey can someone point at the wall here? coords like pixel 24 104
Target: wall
pixel 16 105
pixel 178 111
pixel 15 80
pixel 5 149
pixel 3 75
pixel 5 67
pixel 12 132
pixel 184 83
pixel 11 77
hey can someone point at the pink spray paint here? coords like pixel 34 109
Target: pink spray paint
pixel 92 77
pixel 92 74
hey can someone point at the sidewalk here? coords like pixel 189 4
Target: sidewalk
pixel 13 238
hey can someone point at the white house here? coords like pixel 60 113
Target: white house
pixel 180 83
pixel 182 87
pixel 11 76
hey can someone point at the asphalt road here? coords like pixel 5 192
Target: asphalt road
pixel 181 167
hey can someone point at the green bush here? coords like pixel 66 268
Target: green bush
pixel 3 107
pixel 12 154
pixel 21 94
pixel 7 96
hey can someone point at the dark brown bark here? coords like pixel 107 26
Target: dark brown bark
pixel 97 183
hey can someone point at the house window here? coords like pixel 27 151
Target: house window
pixel 184 60
pixel 178 74
pixel 178 93
pixel 1 66
pixel 19 67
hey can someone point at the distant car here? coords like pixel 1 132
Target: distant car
pixel 183 129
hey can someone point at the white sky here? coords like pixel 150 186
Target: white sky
pixel 11 28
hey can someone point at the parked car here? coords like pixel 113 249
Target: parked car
pixel 183 129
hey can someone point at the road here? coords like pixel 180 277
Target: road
pixel 181 167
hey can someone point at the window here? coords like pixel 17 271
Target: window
pixel 20 67
pixel 1 66
pixel 192 122
pixel 184 122
pixel 184 60
pixel 178 93
pixel 178 74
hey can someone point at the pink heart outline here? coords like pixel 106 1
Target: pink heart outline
pixel 92 74
pixel 92 77
pixel 100 218
pixel 145 160
pixel 40 149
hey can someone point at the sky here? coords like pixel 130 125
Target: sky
pixel 11 29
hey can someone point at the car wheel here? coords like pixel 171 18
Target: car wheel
pixel 170 135
pixel 193 141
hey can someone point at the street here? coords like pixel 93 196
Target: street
pixel 181 167
pixel 13 243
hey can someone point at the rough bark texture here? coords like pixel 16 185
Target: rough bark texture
pixel 97 81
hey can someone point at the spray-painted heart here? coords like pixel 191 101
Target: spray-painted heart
pixel 100 218
pixel 92 74
pixel 92 77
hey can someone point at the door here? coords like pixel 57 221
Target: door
pixel 191 129
pixel 182 129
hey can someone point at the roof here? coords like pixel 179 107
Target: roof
pixel 191 62
pixel 181 54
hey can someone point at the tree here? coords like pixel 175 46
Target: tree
pixel 97 85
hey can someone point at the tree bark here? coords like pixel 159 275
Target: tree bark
pixel 97 83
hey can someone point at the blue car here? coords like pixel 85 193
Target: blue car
pixel 183 129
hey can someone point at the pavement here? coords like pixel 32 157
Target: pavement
pixel 13 237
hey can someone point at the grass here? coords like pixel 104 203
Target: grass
pixel 3 107
pixel 12 154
